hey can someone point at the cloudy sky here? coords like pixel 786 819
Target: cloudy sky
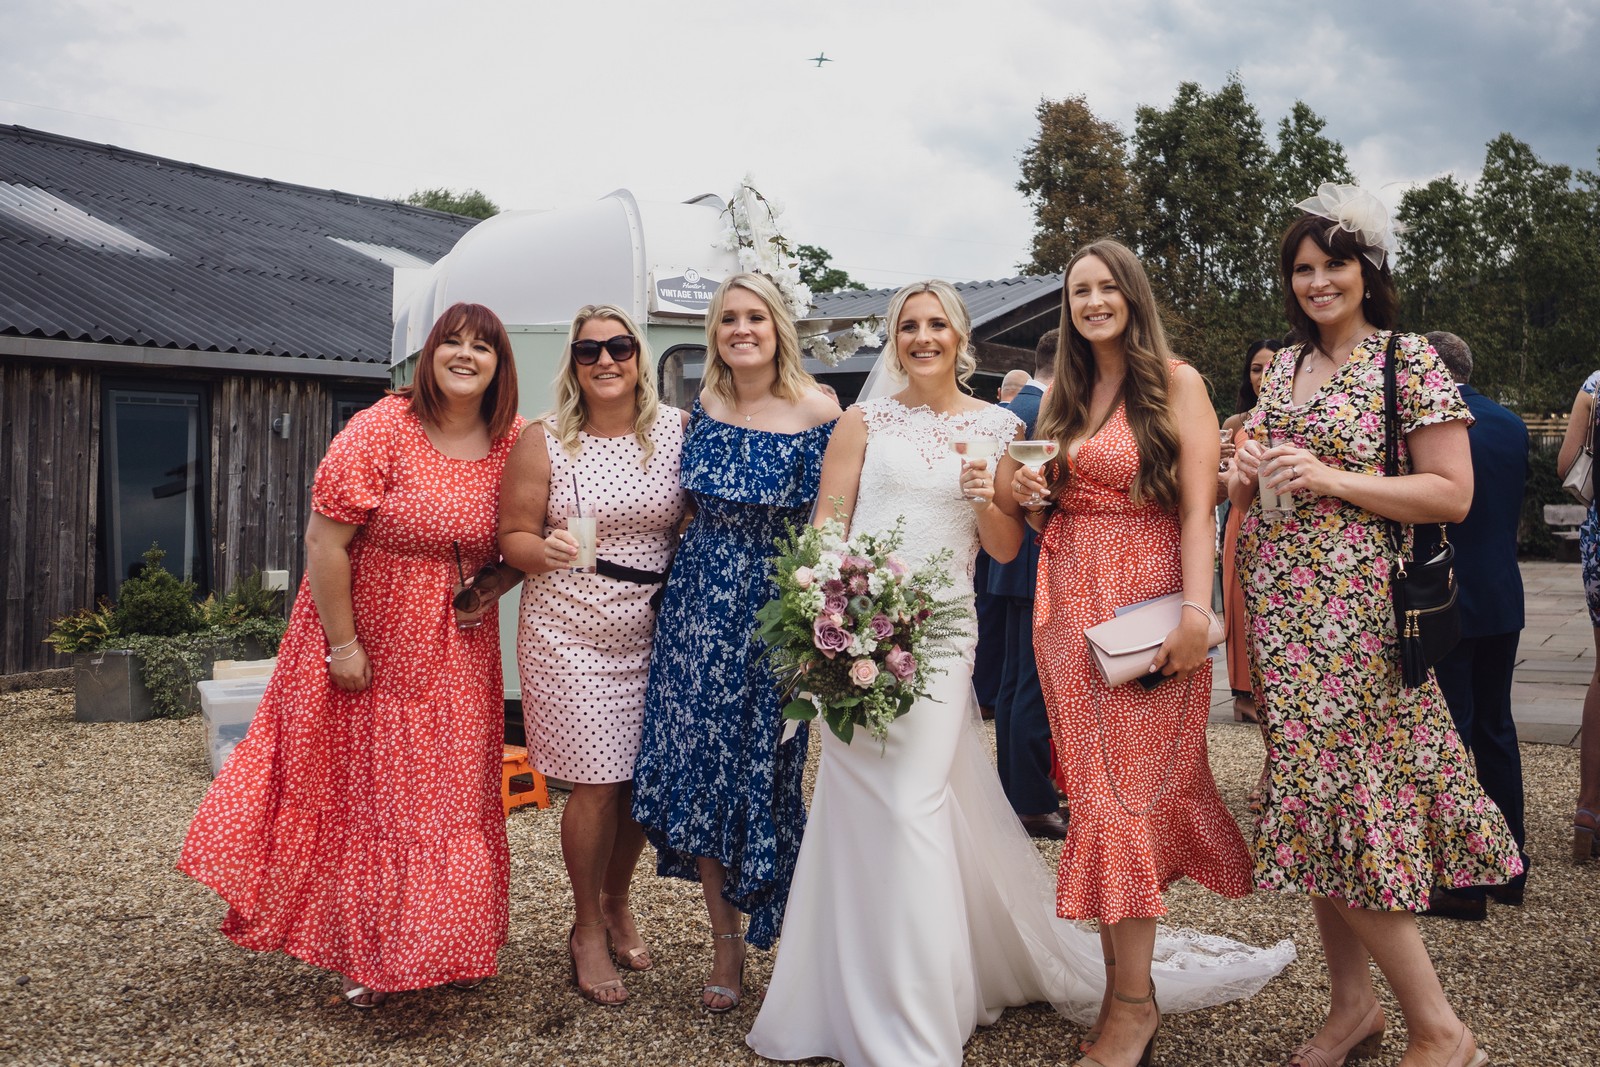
pixel 900 156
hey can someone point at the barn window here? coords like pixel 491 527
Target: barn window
pixel 153 476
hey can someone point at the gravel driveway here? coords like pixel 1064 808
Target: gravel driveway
pixel 109 956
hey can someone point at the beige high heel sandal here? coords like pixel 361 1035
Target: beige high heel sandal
pixel 1149 1046
pixel 632 956
pixel 1094 1031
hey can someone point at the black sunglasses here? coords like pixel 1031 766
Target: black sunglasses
pixel 622 348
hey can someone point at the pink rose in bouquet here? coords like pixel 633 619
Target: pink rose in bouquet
pixel 864 672
pixel 829 636
pixel 901 663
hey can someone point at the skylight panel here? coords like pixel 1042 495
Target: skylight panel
pixel 388 256
pixel 49 213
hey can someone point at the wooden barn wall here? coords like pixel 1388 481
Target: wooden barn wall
pixel 258 493
pixel 260 482
pixel 49 472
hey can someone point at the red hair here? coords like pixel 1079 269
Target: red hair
pixel 499 400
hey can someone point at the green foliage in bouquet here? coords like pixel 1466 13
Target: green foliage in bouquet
pixel 854 630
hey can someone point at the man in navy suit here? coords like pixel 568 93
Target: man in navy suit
pixel 1476 674
pixel 1021 728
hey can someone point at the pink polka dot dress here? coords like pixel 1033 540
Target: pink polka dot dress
pixel 362 832
pixel 1144 808
pixel 583 645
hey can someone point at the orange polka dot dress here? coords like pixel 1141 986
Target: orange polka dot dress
pixel 362 832
pixel 1144 808
pixel 583 645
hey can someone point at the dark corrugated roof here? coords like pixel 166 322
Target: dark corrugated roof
pixel 986 301
pixel 250 266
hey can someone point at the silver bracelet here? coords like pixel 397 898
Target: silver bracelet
pixel 1210 615
pixel 341 648
pixel 331 658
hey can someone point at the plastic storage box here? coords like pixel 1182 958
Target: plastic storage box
pixel 227 706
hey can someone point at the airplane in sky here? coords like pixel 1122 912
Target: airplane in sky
pixel 819 59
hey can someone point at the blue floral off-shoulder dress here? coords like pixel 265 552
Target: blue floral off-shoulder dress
pixel 712 778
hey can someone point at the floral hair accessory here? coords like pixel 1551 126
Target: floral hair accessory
pixel 1356 211
pixel 755 234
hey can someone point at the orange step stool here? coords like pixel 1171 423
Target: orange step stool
pixel 513 793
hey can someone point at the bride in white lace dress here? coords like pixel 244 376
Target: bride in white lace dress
pixel 920 908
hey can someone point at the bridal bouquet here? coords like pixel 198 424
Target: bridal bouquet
pixel 853 628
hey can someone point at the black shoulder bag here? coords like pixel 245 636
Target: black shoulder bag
pixel 1426 616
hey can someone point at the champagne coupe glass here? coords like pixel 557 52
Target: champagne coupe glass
pixel 974 448
pixel 1033 455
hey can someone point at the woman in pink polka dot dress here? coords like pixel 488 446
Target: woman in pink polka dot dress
pixel 583 646
pixel 358 825
pixel 1132 519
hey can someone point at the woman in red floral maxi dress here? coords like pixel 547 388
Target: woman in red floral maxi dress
pixel 1145 810
pixel 358 825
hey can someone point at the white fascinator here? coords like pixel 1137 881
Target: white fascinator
pixel 1351 208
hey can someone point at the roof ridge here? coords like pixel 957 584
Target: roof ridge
pixel 26 132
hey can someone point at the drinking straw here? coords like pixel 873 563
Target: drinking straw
pixel 460 570
pixel 577 504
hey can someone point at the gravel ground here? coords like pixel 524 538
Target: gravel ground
pixel 109 956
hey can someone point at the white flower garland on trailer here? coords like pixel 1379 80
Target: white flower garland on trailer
pixel 754 233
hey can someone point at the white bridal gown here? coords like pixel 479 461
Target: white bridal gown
pixel 920 908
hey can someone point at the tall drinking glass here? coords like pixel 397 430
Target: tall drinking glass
pixel 584 528
pixel 1033 455
pixel 1274 505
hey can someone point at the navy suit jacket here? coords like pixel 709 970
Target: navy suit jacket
pixel 1017 577
pixel 1486 540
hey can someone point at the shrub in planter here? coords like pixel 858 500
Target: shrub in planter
pixel 173 640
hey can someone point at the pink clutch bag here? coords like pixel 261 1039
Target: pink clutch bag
pixel 1123 647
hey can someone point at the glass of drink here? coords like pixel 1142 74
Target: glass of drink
pixel 584 529
pixel 1274 505
pixel 1033 455
pixel 972 449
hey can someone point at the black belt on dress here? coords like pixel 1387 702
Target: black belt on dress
pixel 636 576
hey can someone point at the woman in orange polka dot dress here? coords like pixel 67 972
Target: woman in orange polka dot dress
pixel 358 825
pixel 583 645
pixel 1132 519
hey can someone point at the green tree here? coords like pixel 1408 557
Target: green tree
pixel 1304 160
pixel 818 275
pixel 1075 176
pixel 469 202
pixel 1203 190
pixel 1513 266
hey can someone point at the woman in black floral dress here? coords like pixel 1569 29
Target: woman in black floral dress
pixel 1371 800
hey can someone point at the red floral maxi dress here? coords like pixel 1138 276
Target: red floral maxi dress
pixel 362 832
pixel 1371 799
pixel 1145 809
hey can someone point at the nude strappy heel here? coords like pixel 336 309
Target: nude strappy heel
pixel 1149 1046
pixel 732 995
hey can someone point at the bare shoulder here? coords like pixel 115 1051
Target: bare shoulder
pixel 1186 378
pixel 817 407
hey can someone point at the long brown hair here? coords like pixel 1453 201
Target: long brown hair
pixel 499 404
pixel 1065 415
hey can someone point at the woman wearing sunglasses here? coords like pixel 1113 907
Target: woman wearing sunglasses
pixel 717 792
pixel 609 451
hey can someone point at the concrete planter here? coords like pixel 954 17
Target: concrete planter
pixel 107 687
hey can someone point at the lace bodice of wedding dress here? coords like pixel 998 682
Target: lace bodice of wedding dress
pixel 911 469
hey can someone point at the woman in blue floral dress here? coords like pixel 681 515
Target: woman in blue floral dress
pixel 716 790
pixel 1371 800
pixel 1586 820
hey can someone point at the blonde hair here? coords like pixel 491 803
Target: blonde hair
pixel 1065 415
pixel 792 382
pixel 955 309
pixel 567 418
